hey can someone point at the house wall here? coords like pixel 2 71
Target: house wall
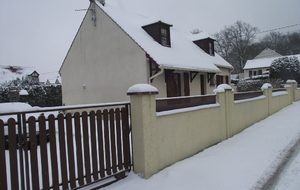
pixel 160 84
pixel 195 85
pixel 102 63
pixel 163 138
pixel 246 71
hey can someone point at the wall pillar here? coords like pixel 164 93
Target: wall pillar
pixel 144 133
pixel 293 85
pixel 267 91
pixel 226 101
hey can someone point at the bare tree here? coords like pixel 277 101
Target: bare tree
pixel 284 44
pixel 196 31
pixel 233 41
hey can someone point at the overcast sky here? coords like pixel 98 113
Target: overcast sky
pixel 39 33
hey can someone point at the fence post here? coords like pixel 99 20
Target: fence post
pixel 144 134
pixel 293 85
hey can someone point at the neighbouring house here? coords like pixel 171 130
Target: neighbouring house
pixel 261 63
pixel 53 82
pixel 8 73
pixel 115 49
pixel 23 95
pixel 261 66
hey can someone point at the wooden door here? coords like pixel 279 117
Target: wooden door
pixel 202 87
pixel 186 84
pixel 173 85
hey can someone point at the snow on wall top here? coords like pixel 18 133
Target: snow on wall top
pixel 183 53
pixel 265 62
pixel 141 88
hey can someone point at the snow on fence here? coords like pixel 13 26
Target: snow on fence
pixel 64 151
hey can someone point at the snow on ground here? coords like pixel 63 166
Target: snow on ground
pixel 291 175
pixel 245 161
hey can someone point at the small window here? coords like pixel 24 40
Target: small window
pixel 254 73
pixel 210 48
pixel 164 37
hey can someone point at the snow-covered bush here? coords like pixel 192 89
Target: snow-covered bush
pixel 45 96
pixel 38 95
pixel 285 68
pixel 4 94
pixel 255 85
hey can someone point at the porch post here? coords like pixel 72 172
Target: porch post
pixel 144 134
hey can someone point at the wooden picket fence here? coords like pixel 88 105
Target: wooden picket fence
pixel 67 150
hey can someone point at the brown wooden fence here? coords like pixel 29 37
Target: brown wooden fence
pixel 278 89
pixel 64 151
pixel 247 95
pixel 165 104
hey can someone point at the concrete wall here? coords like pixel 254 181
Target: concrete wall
pixel 297 94
pixel 161 139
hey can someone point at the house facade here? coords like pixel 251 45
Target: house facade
pixel 261 63
pixel 114 49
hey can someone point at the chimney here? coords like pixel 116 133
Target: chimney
pixel 102 2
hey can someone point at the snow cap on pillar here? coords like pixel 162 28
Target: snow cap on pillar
pixel 222 88
pixel 138 89
pixel 266 86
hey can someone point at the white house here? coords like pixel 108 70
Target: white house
pixel 262 62
pixel 114 49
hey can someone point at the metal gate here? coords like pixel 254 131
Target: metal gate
pixel 46 150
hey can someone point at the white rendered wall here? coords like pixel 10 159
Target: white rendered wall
pixel 105 60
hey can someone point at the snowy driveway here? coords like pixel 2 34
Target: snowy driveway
pixel 245 161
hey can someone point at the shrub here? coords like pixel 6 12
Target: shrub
pixel 38 95
pixel 255 85
pixel 285 68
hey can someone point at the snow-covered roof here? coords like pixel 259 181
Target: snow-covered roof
pixel 8 72
pixel 51 76
pixel 263 63
pixel 23 92
pixel 267 53
pixel 183 53
pixel 53 81
pixel 199 36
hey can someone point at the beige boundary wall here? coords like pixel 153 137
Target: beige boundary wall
pixel 163 138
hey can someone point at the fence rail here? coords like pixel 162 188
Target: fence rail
pixel 64 151
pixel 247 95
pixel 278 89
pixel 165 104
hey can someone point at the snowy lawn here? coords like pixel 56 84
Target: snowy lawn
pixel 244 161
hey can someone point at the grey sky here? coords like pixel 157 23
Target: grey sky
pixel 39 33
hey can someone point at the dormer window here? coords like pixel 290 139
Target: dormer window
pixel 206 45
pixel 160 32
pixel 164 37
pixel 210 48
